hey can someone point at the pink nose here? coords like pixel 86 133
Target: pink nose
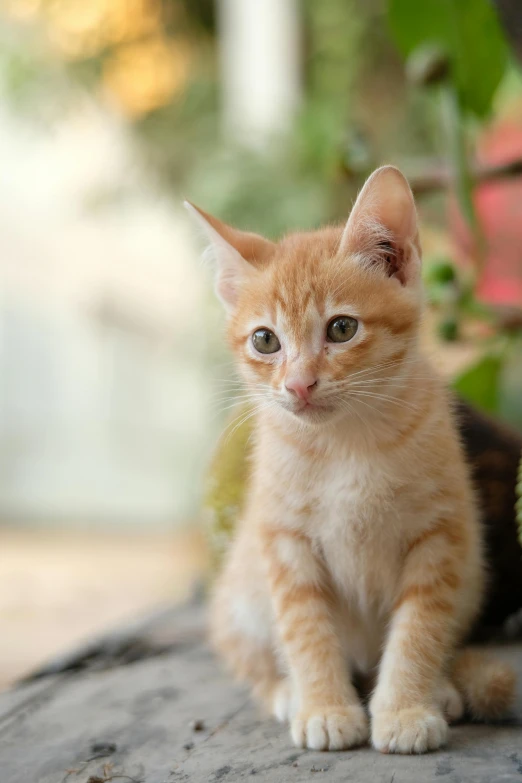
pixel 301 385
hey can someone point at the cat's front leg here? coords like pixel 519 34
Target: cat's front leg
pixel 405 708
pixel 329 714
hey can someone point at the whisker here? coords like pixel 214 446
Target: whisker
pixel 375 368
pixel 345 405
pixel 235 423
pixel 227 396
pixel 221 406
pixel 264 405
pixel 371 407
pixel 234 404
pixel 393 400
pixel 389 382
pixel 393 379
pixel 226 382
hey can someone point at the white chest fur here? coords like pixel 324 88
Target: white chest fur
pixel 357 525
pixel 353 513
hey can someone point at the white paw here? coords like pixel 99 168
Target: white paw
pixel 330 728
pixel 415 730
pixel 284 704
pixel 450 702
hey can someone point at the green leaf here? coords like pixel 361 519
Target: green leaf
pixel 449 329
pixel 479 384
pixel 510 385
pixel 439 270
pixel 470 34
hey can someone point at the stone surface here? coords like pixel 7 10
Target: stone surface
pixel 109 719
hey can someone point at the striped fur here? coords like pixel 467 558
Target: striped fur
pixel 359 550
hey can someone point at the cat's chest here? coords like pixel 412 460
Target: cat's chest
pixel 356 525
pixel 349 493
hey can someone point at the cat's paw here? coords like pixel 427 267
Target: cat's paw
pixel 330 728
pixel 450 702
pixel 415 730
pixel 284 702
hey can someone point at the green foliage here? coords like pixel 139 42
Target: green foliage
pixel 480 383
pixel 297 181
pixel 510 384
pixel 358 109
pixel 449 329
pixel 494 382
pixel 447 293
pixel 302 170
pixel 460 45
pixel 175 138
pixel 259 194
pixel 226 482
pixel 439 272
pixel 427 65
pixel 468 32
pixel 31 81
pixel 335 32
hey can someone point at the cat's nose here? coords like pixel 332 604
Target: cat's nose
pixel 301 385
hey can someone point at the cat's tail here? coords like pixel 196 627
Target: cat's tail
pixel 486 684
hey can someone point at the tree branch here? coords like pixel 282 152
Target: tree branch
pixel 440 177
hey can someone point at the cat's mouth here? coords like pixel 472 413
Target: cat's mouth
pixel 311 410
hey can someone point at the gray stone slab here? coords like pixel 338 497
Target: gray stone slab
pixel 24 697
pixel 146 709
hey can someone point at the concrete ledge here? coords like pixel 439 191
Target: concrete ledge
pixel 173 716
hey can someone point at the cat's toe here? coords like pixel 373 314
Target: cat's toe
pixel 330 728
pixel 415 730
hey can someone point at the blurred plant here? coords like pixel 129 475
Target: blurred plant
pixel 140 54
pixel 156 63
pixel 226 481
pixel 448 43
pixel 185 144
pixel 458 47
pixel 447 293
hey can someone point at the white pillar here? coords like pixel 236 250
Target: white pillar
pixel 260 65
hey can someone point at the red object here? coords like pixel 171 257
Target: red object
pixel 499 209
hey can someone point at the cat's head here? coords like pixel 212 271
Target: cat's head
pixel 321 323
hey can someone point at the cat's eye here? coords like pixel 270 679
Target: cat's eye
pixel 341 329
pixel 265 341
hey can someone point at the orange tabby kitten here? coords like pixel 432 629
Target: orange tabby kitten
pixel 359 550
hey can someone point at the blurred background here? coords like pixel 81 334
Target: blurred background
pixel 270 114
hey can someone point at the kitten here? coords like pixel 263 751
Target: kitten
pixel 359 551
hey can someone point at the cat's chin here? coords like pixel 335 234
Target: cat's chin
pixel 311 414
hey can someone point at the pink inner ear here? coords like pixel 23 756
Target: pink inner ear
pixel 382 226
pixel 393 259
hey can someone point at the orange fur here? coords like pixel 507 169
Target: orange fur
pixel 487 685
pixel 359 546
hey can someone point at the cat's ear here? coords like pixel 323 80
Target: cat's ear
pixel 382 227
pixel 236 254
